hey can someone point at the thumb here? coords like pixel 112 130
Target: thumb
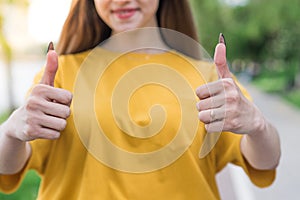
pixel 51 66
pixel 220 58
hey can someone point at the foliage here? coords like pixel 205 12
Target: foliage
pixel 266 32
pixel 274 80
pixel 27 191
pixel 210 23
pixel 3 117
pixel 293 97
pixel 254 30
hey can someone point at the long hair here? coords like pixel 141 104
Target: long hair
pixel 84 29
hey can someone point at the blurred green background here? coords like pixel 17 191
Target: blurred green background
pixel 262 36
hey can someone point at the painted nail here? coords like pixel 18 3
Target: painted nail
pixel 50 47
pixel 222 38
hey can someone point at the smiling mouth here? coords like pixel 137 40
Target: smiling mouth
pixel 125 13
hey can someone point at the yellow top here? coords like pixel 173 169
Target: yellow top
pixel 133 133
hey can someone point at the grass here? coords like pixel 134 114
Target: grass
pixel 293 97
pixel 270 85
pixel 277 82
pixel 30 185
pixel 3 116
pixel 277 86
pixel 28 189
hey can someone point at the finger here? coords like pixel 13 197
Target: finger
pixel 54 123
pixel 46 133
pixel 59 95
pixel 51 66
pixel 36 131
pixel 215 127
pixel 209 103
pixel 212 115
pixel 220 58
pixel 56 110
pixel 52 94
pixel 209 89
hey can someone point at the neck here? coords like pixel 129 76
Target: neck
pixel 147 40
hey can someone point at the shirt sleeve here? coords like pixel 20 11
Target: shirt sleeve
pixel 229 151
pixel 37 161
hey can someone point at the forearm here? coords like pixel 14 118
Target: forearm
pixel 262 147
pixel 14 153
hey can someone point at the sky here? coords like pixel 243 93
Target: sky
pixel 236 2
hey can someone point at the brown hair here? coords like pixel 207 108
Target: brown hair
pixel 84 29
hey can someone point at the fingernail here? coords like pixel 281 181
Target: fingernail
pixel 50 47
pixel 222 38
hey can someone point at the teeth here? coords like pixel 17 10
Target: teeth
pixel 124 11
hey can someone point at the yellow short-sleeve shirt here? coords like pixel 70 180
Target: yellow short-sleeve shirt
pixel 133 133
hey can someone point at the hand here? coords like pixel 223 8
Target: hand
pixel 222 106
pixel 46 109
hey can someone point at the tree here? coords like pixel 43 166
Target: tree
pixel 259 31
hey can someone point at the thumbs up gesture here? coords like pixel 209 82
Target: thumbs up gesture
pixel 51 66
pixel 222 105
pixel 46 109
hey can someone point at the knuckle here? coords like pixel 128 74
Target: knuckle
pixel 198 105
pixel 202 117
pixel 205 104
pixel 39 89
pixel 67 113
pixel 54 135
pixel 228 82
pixel 63 112
pixel 200 91
pixel 31 103
pixel 30 120
pixel 29 132
pixel 35 89
pixel 235 124
pixel 233 96
pixel 70 95
pixel 65 96
pixel 34 103
pixel 63 124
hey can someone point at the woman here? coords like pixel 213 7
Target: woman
pixel 130 156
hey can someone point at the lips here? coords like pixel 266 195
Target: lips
pixel 125 13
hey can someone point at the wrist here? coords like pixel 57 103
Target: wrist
pixel 7 134
pixel 8 128
pixel 259 125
